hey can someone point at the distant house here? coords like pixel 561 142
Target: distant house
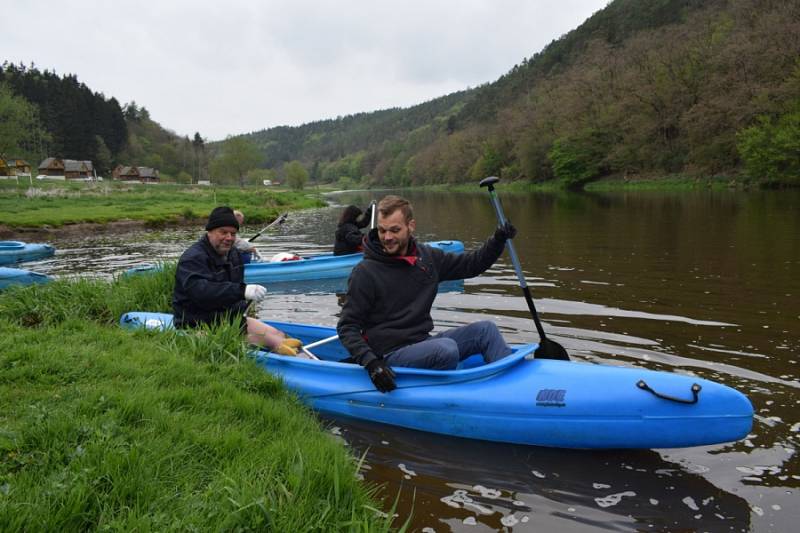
pixel 70 169
pixel 141 174
pixel 14 167
pixel 52 166
pixel 74 170
pixel 5 170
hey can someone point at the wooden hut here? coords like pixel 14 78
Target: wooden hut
pixel 132 173
pixel 52 166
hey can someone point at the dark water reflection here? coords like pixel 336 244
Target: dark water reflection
pixel 695 283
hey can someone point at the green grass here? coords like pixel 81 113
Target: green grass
pixel 103 428
pixel 57 204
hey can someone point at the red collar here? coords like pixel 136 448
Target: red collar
pixel 412 256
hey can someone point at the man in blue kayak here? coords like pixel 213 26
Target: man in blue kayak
pixel 210 288
pixel 386 318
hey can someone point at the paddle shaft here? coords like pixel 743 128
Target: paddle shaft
pixel 280 220
pixel 322 341
pixel 306 349
pixel 501 218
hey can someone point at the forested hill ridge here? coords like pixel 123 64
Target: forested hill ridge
pixel 642 88
pixel 43 114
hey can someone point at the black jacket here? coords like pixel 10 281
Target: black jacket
pixel 348 237
pixel 388 303
pixel 207 286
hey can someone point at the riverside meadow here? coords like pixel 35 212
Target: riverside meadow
pixel 110 429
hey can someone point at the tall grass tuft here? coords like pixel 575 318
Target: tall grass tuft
pixel 105 428
pixel 88 299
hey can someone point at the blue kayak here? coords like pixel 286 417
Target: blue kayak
pixel 323 266
pixel 518 399
pixel 17 251
pixel 18 276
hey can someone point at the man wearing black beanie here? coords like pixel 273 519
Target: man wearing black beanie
pixel 210 288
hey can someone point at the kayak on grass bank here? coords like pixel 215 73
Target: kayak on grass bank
pixel 518 399
pixel 323 266
pixel 17 251
pixel 18 276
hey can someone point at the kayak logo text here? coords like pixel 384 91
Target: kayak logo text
pixel 551 398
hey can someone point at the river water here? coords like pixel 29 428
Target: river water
pixel 702 283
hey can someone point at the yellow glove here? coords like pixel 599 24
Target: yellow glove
pixel 285 349
pixel 293 343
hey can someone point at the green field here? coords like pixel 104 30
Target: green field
pixel 55 204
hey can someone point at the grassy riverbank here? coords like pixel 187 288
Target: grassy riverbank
pixel 109 429
pixel 61 203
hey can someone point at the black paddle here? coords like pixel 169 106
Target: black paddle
pixel 280 220
pixel 547 349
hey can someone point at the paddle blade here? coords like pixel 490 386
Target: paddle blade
pixel 550 350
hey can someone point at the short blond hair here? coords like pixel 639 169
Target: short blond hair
pixel 239 215
pixel 390 204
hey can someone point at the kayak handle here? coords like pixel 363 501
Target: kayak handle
pixel 695 393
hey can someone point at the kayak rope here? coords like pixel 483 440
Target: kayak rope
pixel 696 388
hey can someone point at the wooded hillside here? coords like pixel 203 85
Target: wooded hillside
pixel 643 87
pixel 43 114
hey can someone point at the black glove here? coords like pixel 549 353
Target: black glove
pixel 381 375
pixel 505 231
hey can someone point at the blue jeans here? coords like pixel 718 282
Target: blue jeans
pixel 444 350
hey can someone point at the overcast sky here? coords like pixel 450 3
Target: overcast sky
pixel 235 66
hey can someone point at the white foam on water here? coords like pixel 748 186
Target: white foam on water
pixel 460 498
pixel 408 472
pixel 538 474
pixel 509 521
pixel 600 486
pixel 613 499
pixel 690 503
pixel 492 494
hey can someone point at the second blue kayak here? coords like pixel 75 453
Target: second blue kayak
pixel 18 276
pixel 324 266
pixel 316 267
pixel 17 251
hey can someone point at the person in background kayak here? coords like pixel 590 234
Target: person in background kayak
pixel 386 317
pixel 247 249
pixel 348 237
pixel 209 286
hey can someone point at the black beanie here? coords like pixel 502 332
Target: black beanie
pixel 221 216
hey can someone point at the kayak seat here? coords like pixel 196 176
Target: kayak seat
pixel 472 361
